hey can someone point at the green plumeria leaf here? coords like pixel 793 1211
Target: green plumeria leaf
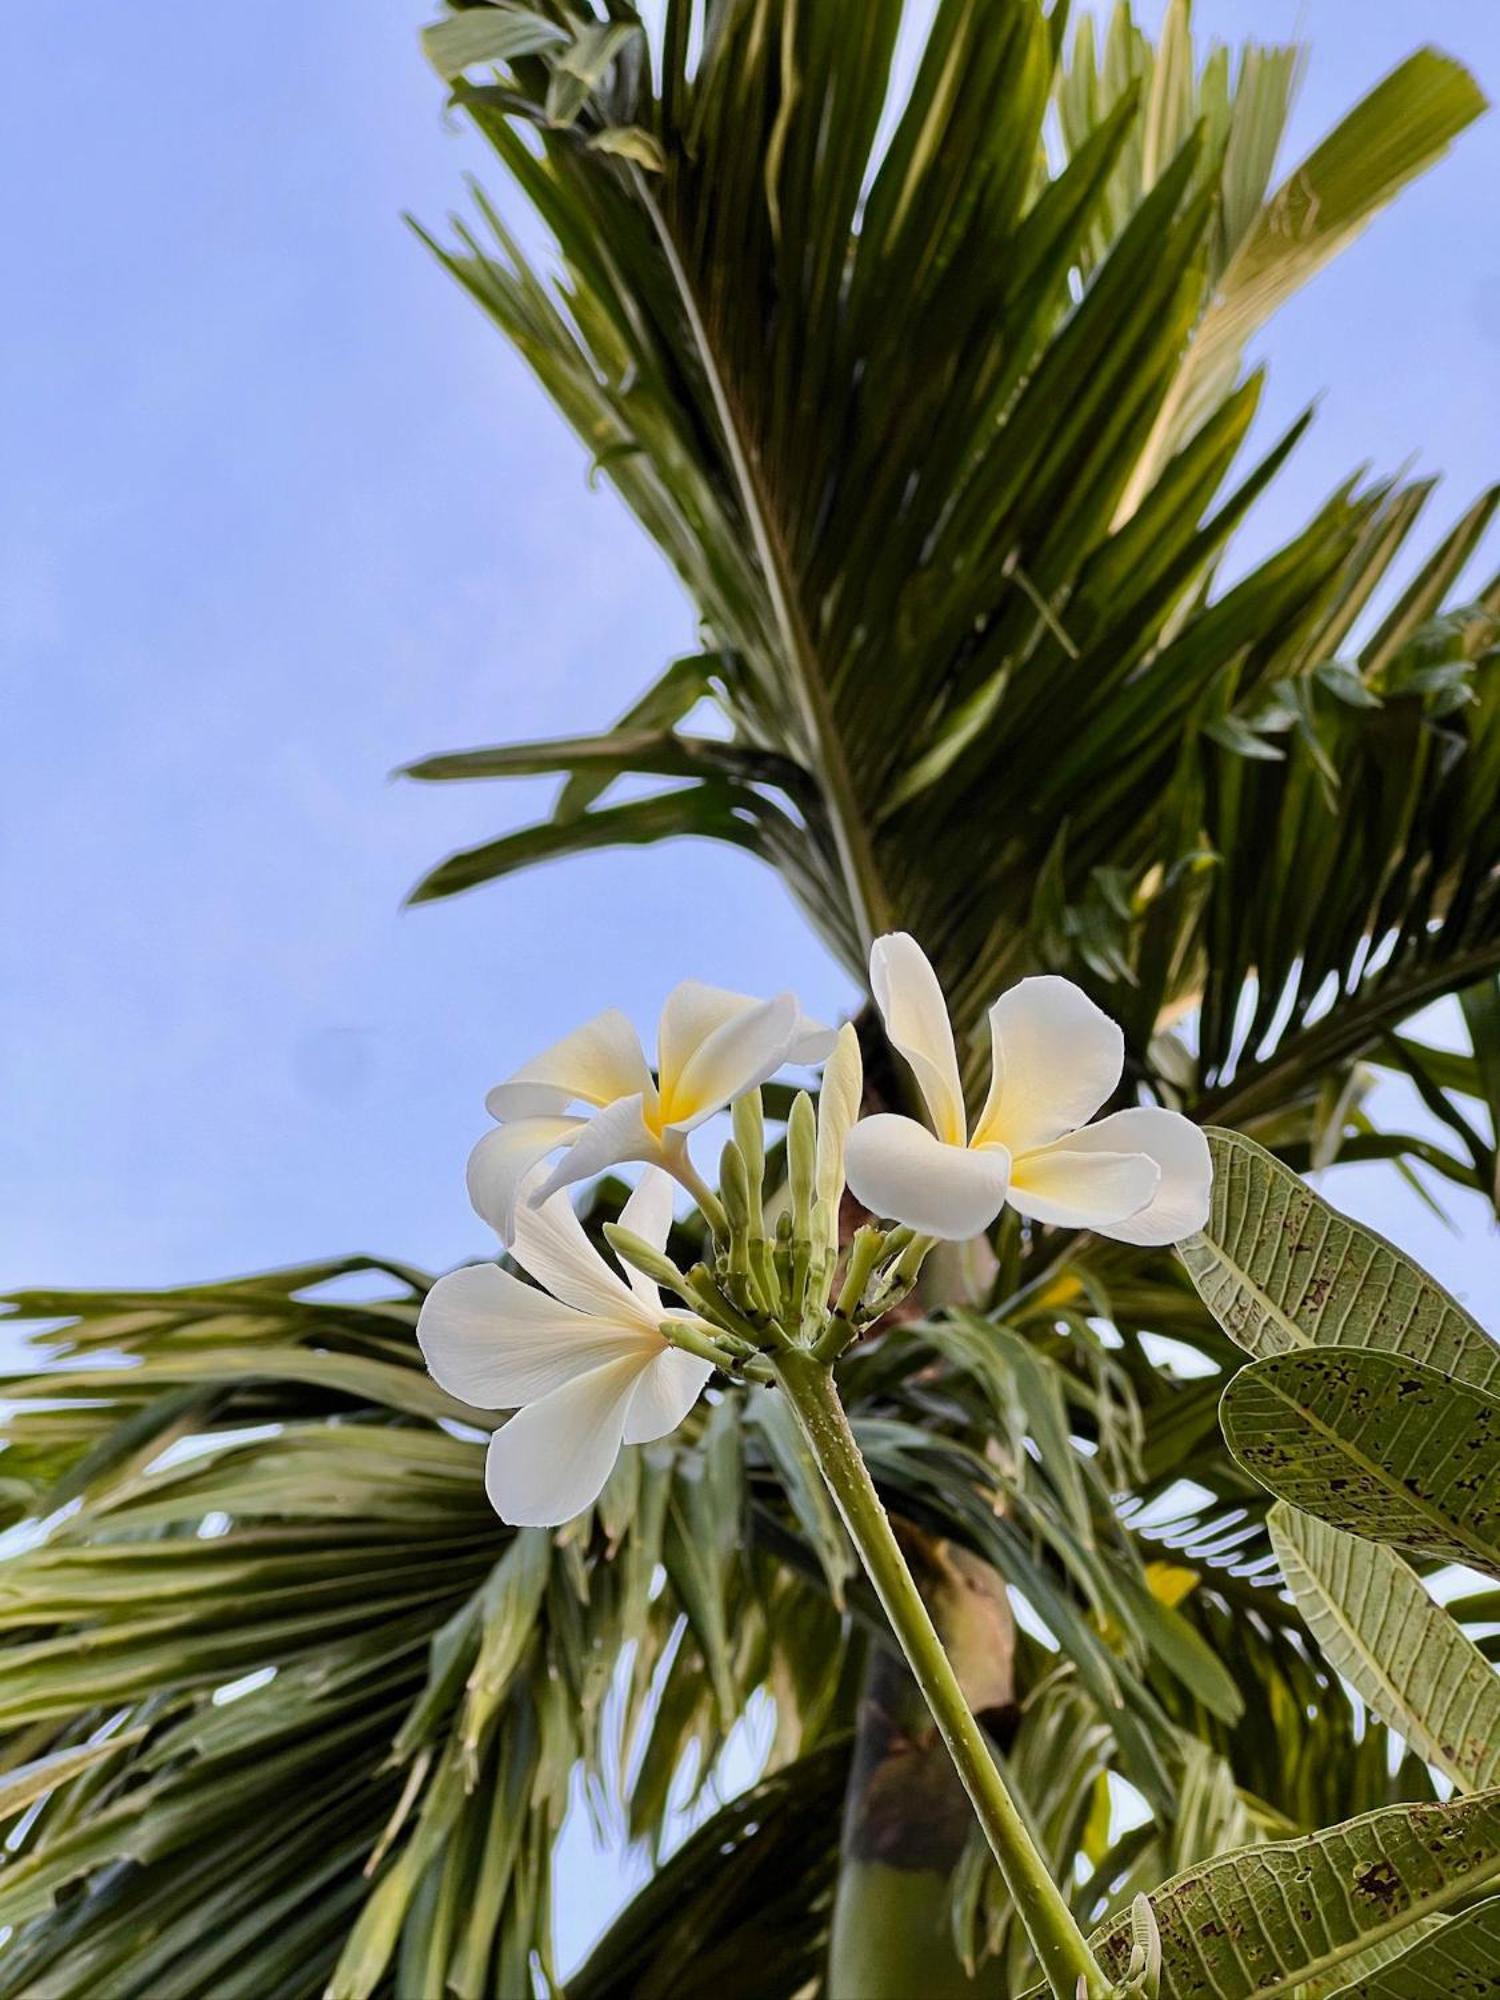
pixel 1458 1962
pixel 1264 1922
pixel 1279 1268
pixel 1377 1445
pixel 1401 1652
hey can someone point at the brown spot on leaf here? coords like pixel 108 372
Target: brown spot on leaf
pixel 1380 1883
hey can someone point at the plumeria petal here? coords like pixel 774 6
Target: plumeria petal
pixel 691 1013
pixel 1179 1207
pixel 497 1343
pixel 668 1388
pixel 551 1460
pixel 695 1013
pixel 1056 1056
pixel 898 1169
pixel 812 1042
pixel 597 1063
pixel 916 1021
pixel 502 1160
pixel 1080 1188
pixel 738 1056
pixel 551 1244
pixel 648 1214
pixel 611 1137
pixel 529 1100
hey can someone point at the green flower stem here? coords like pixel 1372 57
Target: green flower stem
pixel 680 1334
pixel 865 1252
pixel 1058 1942
pixel 687 1176
pixel 702 1290
pixel 913 1256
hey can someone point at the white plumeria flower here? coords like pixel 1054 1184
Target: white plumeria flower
pixel 1142 1176
pixel 712 1045
pixel 583 1363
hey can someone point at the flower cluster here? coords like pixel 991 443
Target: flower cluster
pixel 590 1359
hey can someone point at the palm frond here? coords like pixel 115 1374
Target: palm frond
pixel 939 424
pixel 254 1565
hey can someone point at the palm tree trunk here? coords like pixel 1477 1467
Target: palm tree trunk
pixel 906 1819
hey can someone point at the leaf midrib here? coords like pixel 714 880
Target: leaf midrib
pixel 856 856
pixel 1274 1312
pixel 1413 1913
pixel 1447 1524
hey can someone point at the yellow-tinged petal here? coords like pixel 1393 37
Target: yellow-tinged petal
pixel 597 1063
pixel 911 1004
pixel 900 1171
pixel 1079 1188
pixel 613 1136
pixel 737 1056
pixel 693 1012
pixel 1056 1058
pixel 1178 1208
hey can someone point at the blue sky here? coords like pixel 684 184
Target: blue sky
pixel 282 512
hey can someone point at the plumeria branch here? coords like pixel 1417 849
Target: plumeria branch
pixel 1071 1969
pixel 785 1299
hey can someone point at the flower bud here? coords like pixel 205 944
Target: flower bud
pixel 639 1255
pixel 750 1137
pixel 734 1190
pixel 802 1161
pixel 838 1109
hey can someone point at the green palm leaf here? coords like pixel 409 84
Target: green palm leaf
pixel 763 1864
pixel 284 1704
pixel 955 562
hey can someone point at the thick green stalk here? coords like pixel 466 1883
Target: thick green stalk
pixel 1058 1942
